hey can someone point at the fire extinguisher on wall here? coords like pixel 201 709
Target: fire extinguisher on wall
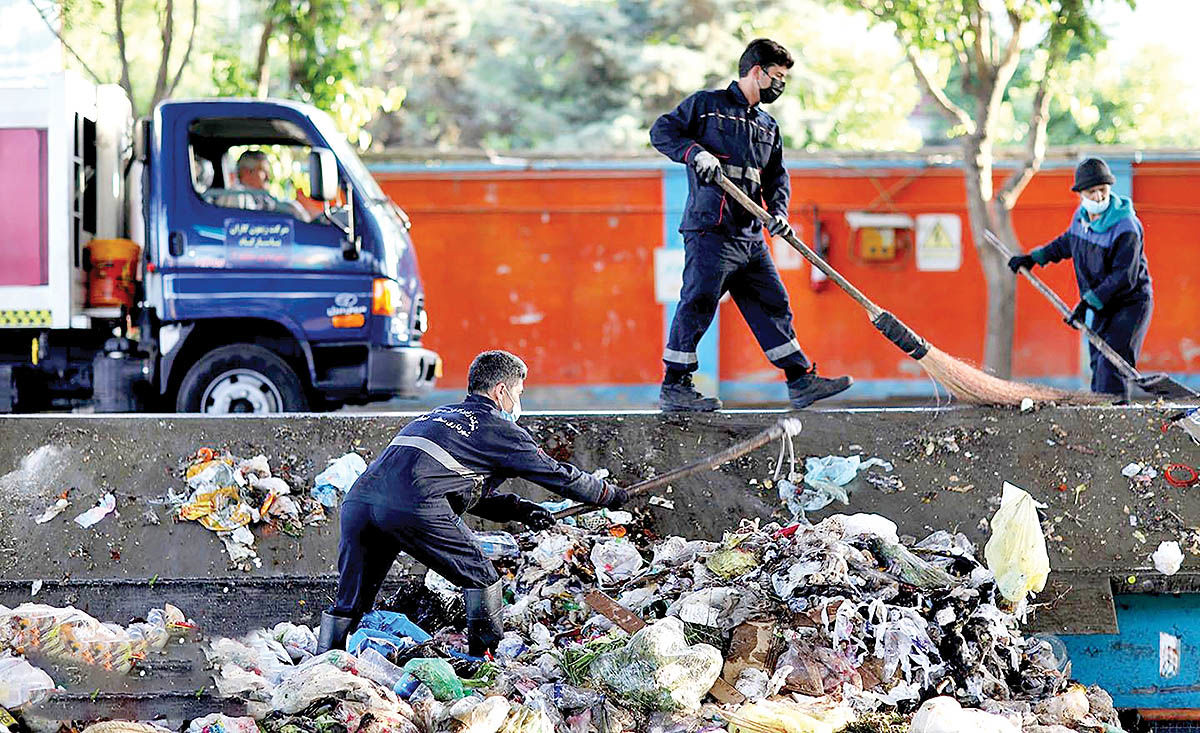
pixel 818 280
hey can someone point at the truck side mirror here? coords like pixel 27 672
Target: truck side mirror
pixel 322 174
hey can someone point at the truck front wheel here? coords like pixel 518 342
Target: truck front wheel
pixel 241 378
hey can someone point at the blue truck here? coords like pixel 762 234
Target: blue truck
pixel 173 264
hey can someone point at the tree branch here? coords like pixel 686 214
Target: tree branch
pixel 168 34
pixel 187 52
pixel 952 112
pixel 63 41
pixel 119 13
pixel 262 79
pixel 1036 152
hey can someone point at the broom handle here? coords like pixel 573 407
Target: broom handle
pixel 750 205
pixel 785 426
pixel 1101 345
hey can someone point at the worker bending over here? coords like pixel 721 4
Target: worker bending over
pixel 1104 241
pixel 411 498
pixel 726 131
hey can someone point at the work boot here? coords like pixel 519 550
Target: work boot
pixel 334 630
pixel 682 396
pixel 485 622
pixel 807 389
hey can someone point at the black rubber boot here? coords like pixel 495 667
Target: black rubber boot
pixel 334 630
pixel 809 388
pixel 682 396
pixel 485 620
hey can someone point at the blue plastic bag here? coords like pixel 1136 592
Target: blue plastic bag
pixel 396 624
pixel 381 641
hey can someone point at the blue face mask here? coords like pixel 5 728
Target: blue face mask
pixel 516 409
pixel 1095 207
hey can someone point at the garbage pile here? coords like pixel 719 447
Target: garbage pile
pixel 608 627
pixel 228 495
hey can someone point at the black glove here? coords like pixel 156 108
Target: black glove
pixel 1078 317
pixel 617 496
pixel 707 167
pixel 536 516
pixel 1016 263
pixel 780 227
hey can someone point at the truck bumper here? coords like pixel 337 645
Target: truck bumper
pixel 406 371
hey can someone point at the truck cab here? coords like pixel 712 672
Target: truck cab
pixel 274 274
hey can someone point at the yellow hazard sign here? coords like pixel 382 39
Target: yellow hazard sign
pixel 939 242
pixel 24 318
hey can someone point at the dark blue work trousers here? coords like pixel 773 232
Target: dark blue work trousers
pixel 373 536
pixel 1123 328
pixel 713 265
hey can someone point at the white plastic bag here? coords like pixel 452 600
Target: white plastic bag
pixel 945 715
pixel 615 561
pixel 337 478
pixel 1016 551
pixel 1167 558
pixel 22 683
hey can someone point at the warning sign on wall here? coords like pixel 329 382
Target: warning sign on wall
pixel 939 242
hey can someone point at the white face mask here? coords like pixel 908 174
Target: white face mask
pixel 514 413
pixel 1095 207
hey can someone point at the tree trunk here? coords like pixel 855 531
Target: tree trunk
pixel 984 214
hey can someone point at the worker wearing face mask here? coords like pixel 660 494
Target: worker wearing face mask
pixel 411 498
pixel 727 132
pixel 1104 241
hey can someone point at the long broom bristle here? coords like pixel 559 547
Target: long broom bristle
pixel 978 387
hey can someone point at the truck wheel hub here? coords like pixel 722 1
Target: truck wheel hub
pixel 241 391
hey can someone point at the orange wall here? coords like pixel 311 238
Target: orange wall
pixel 557 265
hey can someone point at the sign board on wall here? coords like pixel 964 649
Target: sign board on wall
pixel 668 274
pixel 939 242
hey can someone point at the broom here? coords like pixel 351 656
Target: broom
pixel 963 380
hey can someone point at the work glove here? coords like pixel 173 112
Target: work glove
pixel 706 165
pixel 617 496
pixel 535 516
pixel 1078 317
pixel 1019 261
pixel 780 227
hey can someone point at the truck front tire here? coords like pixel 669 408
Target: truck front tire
pixel 241 378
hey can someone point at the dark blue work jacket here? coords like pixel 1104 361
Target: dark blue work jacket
pixel 462 453
pixel 1110 264
pixel 747 142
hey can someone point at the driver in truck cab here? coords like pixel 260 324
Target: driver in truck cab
pixel 253 174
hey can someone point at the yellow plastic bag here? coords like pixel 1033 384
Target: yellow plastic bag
pixel 1016 551
pixel 823 715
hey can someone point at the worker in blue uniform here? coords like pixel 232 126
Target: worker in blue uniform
pixel 1105 242
pixel 444 463
pixel 727 131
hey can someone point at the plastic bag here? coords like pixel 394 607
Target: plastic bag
pixel 377 668
pixel 22 683
pixel 615 561
pixel 780 716
pixel 313 682
pixel 337 478
pixel 857 525
pixel 1016 551
pixel 657 670
pixel 396 624
pixel 945 715
pixel 102 509
pixel 480 716
pixel 70 634
pixel 550 554
pixel 381 641
pixel 219 723
pixel 1167 558
pixel 438 676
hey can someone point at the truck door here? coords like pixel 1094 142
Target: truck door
pixel 243 239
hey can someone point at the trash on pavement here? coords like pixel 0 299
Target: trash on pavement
pixel 337 478
pixel 658 669
pixel 1167 558
pixel 102 509
pixel 52 511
